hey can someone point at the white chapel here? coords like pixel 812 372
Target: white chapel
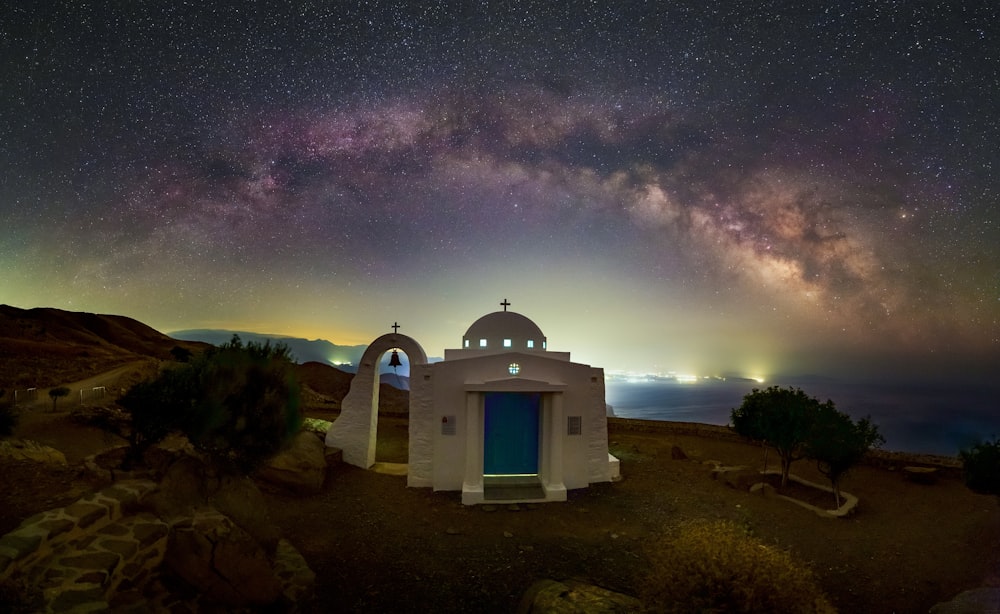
pixel 501 418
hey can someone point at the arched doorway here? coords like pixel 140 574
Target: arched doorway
pixel 355 430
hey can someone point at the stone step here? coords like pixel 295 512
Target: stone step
pixel 85 574
pixel 40 535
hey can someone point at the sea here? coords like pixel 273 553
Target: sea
pixel 919 417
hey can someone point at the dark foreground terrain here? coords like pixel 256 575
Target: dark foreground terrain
pixel 376 545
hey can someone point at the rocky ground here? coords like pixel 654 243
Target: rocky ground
pixel 376 545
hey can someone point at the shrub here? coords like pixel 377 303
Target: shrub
pixel 156 408
pixel 981 467
pixel 248 404
pixel 238 403
pixel 716 566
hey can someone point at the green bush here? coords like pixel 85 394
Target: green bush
pixel 248 404
pixel 716 566
pixel 238 403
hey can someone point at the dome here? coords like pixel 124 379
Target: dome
pixel 504 331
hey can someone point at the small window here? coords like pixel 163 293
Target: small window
pixel 531 343
pixel 514 368
pixel 482 343
pixel 574 425
pixel 466 343
pixel 543 345
pixel 507 343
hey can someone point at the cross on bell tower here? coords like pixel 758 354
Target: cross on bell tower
pixel 395 327
pixel 505 304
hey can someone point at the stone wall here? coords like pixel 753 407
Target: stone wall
pixel 107 551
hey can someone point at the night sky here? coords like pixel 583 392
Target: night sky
pixel 754 189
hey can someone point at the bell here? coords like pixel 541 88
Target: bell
pixel 394 360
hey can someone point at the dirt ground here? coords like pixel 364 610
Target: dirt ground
pixel 377 545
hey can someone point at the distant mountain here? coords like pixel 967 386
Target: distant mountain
pixel 344 357
pixel 46 346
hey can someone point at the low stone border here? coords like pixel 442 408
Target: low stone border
pixel 847 508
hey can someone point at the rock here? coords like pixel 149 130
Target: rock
pixel 239 499
pixel 976 601
pixel 738 477
pixel 677 454
pixel 301 467
pixel 182 489
pixel 25 449
pixel 551 597
pixel 212 554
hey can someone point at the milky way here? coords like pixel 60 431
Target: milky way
pixel 759 189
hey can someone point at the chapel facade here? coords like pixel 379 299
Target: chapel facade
pixel 501 418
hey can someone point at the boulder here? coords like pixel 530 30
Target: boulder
pixel 676 453
pixel 190 483
pixel 301 467
pixel 239 499
pixel 25 449
pixel 222 561
pixel 571 596
pixel 738 477
pixel 182 489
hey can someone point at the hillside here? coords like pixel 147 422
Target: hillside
pixel 46 347
pixel 43 347
pixel 325 386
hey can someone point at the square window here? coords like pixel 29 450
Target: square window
pixel 482 343
pixel 531 343
pixel 574 425
pixel 507 343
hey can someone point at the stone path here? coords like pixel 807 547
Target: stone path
pixel 103 553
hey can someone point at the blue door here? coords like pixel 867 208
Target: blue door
pixel 510 445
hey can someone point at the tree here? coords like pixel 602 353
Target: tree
pixel 778 417
pixel 837 443
pixel 237 403
pixel 56 393
pixel 981 467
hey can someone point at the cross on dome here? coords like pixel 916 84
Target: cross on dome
pixel 505 304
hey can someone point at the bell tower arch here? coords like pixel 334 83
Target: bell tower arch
pixel 355 430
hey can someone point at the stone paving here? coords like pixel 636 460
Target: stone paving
pixel 104 553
